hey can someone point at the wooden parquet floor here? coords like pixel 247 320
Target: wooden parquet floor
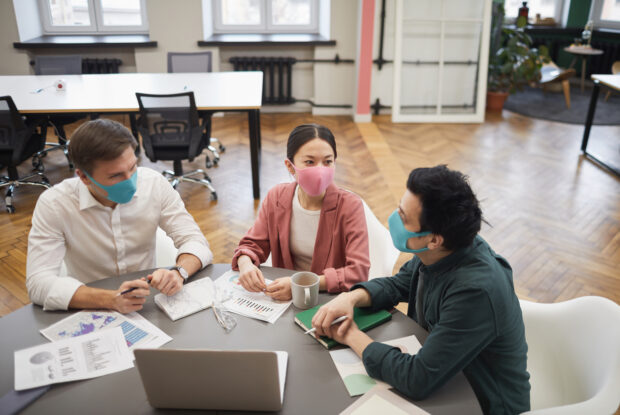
pixel 554 215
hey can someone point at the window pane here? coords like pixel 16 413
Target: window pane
pixel 69 12
pixel 290 12
pixel 121 12
pixel 546 8
pixel 611 10
pixel 241 12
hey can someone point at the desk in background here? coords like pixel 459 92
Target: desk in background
pixel 611 81
pixel 313 385
pixel 115 94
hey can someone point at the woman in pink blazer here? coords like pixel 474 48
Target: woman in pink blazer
pixel 307 225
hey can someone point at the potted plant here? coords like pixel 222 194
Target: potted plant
pixel 513 62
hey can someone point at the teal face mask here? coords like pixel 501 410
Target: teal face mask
pixel 400 235
pixel 121 192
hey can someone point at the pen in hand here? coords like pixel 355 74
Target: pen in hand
pixel 336 321
pixel 128 290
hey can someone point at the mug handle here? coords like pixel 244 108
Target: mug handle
pixel 307 299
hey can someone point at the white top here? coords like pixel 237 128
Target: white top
pixel 98 242
pixel 612 81
pixel 117 92
pixel 304 226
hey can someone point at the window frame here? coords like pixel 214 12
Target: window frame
pixel 95 13
pixel 595 15
pixel 266 26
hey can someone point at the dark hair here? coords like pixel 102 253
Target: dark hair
pixel 307 132
pixel 99 139
pixel 449 206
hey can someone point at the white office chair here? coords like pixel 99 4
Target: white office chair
pixel 165 252
pixel 573 356
pixel 383 254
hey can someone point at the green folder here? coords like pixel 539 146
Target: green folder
pixel 364 318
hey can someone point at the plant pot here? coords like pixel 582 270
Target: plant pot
pixel 495 100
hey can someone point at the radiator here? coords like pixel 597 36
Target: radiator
pixel 277 76
pixel 104 65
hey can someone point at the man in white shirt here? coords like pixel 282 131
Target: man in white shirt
pixel 103 224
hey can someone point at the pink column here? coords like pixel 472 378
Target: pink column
pixel 364 60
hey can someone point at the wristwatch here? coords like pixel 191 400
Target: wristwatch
pixel 181 271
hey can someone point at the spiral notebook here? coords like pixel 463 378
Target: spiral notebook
pixel 194 297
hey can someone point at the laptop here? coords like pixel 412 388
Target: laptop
pixel 241 380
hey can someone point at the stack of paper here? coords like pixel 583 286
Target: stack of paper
pixel 138 331
pixel 254 305
pixel 380 400
pixel 74 358
pixel 352 370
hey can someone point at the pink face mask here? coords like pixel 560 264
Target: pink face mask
pixel 314 180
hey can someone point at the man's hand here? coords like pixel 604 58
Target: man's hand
pixel 280 289
pixel 132 301
pixel 352 337
pixel 340 306
pixel 167 281
pixel 250 277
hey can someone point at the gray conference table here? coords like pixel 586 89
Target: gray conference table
pixel 313 385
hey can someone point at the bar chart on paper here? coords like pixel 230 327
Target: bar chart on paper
pixel 245 303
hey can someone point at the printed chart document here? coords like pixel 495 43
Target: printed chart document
pixel 83 357
pixel 380 400
pixel 352 370
pixel 194 297
pixel 254 305
pixel 138 331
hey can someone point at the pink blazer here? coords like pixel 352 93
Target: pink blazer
pixel 341 246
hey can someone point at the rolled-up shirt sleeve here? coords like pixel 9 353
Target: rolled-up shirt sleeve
pixel 179 225
pixel 46 251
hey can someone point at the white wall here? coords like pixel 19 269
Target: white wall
pixel 12 61
pixel 177 27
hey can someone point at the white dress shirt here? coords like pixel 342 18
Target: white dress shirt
pixel 98 242
pixel 304 227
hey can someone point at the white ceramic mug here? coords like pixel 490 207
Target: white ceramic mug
pixel 305 289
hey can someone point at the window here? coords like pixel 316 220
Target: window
pixel 93 16
pixel 546 8
pixel 265 16
pixel 606 14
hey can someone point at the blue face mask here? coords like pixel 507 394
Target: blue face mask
pixel 121 192
pixel 400 235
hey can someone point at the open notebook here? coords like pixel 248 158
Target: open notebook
pixel 194 297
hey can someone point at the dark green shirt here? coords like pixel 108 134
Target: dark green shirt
pixel 475 325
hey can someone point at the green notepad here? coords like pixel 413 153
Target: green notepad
pixel 364 318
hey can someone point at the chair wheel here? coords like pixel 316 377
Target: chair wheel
pixel 222 148
pixel 213 196
pixel 10 209
pixel 208 163
pixel 216 161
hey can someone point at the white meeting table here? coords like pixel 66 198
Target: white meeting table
pixel 98 94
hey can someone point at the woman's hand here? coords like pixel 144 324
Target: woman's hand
pixel 280 289
pixel 250 276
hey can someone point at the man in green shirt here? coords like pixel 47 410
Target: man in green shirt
pixel 457 288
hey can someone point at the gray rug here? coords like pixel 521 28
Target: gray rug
pixel 550 106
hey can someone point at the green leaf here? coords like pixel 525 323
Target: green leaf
pixel 521 21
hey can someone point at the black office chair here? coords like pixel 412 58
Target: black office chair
pixel 58 65
pixel 182 62
pixel 18 142
pixel 171 130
